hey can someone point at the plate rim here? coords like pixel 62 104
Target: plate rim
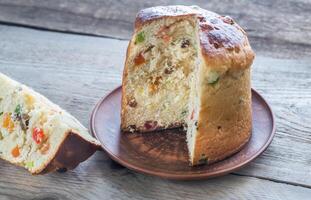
pixel 181 176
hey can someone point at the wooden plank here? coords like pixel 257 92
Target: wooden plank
pixel 286 85
pixel 107 180
pixel 276 28
pixel 75 71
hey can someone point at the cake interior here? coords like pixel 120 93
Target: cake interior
pixel 31 128
pixel 17 120
pixel 161 81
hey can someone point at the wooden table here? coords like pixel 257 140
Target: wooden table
pixel 74 69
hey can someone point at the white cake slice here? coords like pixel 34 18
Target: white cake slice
pixel 37 134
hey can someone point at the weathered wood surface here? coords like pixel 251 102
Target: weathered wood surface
pixel 75 71
pixel 276 28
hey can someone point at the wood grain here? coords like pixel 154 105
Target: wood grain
pixel 75 71
pixel 106 180
pixel 276 28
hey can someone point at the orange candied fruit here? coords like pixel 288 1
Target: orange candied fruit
pixel 15 152
pixel 139 59
pixel 8 123
pixel 37 135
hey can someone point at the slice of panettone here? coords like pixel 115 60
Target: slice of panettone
pixel 37 134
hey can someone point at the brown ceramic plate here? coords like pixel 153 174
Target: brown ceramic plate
pixel 164 153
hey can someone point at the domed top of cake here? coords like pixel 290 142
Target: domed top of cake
pixel 223 41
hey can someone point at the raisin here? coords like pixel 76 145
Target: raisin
pixel 168 70
pixel 132 102
pixel 207 27
pixel 202 19
pixel 27 123
pixel 150 125
pixel 24 122
pixel 23 126
pixel 218 127
pixel 196 125
pixel 158 80
pixel 149 49
pixel 185 43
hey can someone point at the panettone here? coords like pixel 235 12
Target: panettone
pixel 186 66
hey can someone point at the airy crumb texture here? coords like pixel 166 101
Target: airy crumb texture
pixel 159 71
pixel 32 129
pixel 189 67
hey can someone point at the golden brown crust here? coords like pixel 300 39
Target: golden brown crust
pixel 73 150
pixel 225 118
pixel 223 42
pixel 123 98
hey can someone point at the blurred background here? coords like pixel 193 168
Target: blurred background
pixel 280 28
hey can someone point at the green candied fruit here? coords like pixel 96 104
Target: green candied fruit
pixel 213 78
pixel 1 113
pixel 140 37
pixel 18 110
pixel 203 160
pixel 184 113
pixel 29 164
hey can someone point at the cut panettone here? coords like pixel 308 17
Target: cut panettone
pixel 37 134
pixel 189 67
